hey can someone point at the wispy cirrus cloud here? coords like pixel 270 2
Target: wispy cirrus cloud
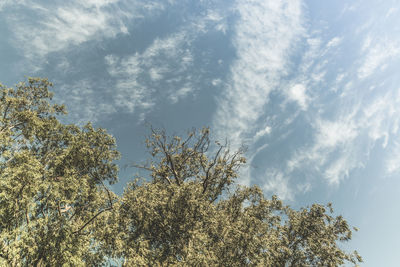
pixel 278 184
pixel 392 163
pixel 136 83
pixel 379 53
pixel 265 35
pixel 139 77
pixel 332 150
pixel 348 127
pixel 381 115
pixel 165 70
pixel 53 27
pixel 343 142
pixel 344 120
pixel 84 102
pixel 142 75
pixel 298 93
pixel 57 27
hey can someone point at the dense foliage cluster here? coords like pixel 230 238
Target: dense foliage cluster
pixel 56 208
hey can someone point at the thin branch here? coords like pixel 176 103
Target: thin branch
pixel 173 169
pixel 59 208
pixel 11 126
pixel 205 183
pixel 6 110
pixel 141 167
pixel 27 217
pixel 108 194
pixel 88 222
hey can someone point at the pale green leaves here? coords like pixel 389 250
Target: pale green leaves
pixel 56 210
pixel 51 181
pixel 190 214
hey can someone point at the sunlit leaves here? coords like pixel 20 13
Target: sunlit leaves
pixel 189 213
pixel 51 180
pixel 56 209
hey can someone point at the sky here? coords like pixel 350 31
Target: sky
pixel 311 88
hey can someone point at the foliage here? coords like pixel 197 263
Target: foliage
pixel 190 214
pixel 52 181
pixel 56 210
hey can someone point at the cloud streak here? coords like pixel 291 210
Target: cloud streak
pixel 264 38
pixel 58 27
pixel 378 56
pixel 265 35
pixel 51 27
pixel 165 70
pixel 141 76
pixel 344 119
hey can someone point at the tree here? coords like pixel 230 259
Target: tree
pixel 52 179
pixel 189 213
pixel 56 208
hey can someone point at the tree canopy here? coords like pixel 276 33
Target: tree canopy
pixel 51 181
pixel 185 210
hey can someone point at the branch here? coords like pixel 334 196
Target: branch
pixel 108 194
pixel 205 183
pixel 173 168
pixel 88 222
pixel 141 167
pixel 6 110
pixel 161 144
pixel 27 217
pixel 11 127
pixel 59 208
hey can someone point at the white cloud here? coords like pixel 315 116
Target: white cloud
pixel 334 42
pixel 166 57
pixel 348 117
pixel 381 116
pixel 393 159
pixel 162 71
pixel 330 134
pixel 344 117
pixel 350 7
pixel 213 19
pixel 278 184
pixel 156 73
pixel 70 24
pixel 139 81
pixel 377 56
pixel 262 132
pixel 213 15
pixel 52 28
pixel 97 3
pixel 265 34
pixel 366 45
pixel 340 145
pixel 64 65
pixel 8 3
pixel 181 93
pixel 339 169
pixel 340 77
pixel 216 82
pixel 298 94
pixel 331 152
pixel 304 188
pixel 83 102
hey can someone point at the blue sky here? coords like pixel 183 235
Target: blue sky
pixel 310 87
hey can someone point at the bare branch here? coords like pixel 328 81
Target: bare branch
pixel 205 183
